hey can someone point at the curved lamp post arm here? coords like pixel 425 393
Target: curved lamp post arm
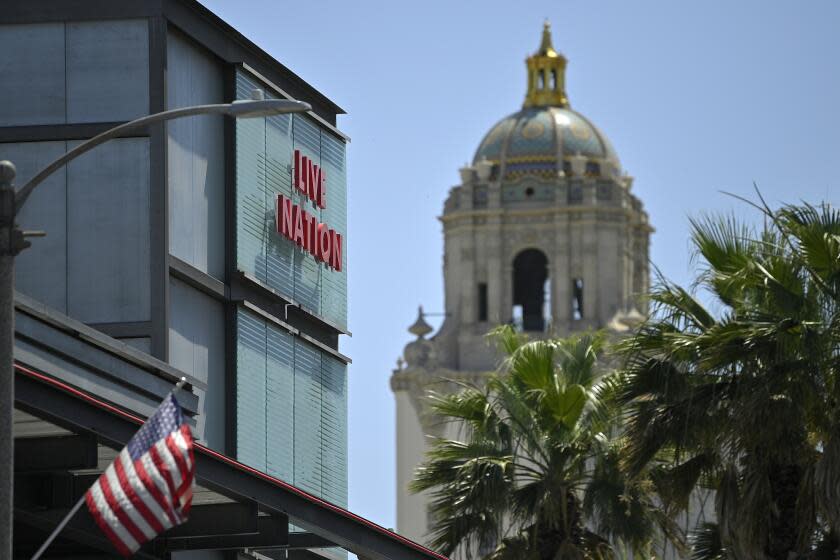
pixel 242 109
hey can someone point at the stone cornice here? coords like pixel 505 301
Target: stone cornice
pixel 543 211
pixel 418 380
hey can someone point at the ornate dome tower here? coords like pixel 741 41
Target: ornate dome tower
pixel 543 232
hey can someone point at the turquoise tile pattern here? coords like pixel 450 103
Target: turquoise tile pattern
pixel 491 146
pixel 537 141
pixel 533 135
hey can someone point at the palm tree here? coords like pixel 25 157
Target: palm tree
pixel 746 400
pixel 531 469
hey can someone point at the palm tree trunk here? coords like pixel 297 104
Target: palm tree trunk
pixel 783 537
pixel 570 531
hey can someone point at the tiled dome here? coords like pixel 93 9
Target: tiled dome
pixel 543 140
pixel 547 138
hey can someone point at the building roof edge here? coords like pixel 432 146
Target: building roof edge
pixel 259 53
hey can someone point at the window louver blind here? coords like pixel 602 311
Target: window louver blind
pixel 264 159
pixel 291 408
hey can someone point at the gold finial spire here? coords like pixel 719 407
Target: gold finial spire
pixel 546 74
pixel 546 48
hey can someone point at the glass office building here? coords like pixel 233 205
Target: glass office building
pixel 165 243
pixel 289 413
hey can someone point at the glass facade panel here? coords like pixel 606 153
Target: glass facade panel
pixel 280 403
pixel 251 220
pixel 279 257
pixel 308 398
pixel 307 271
pixel 334 283
pixel 264 168
pixel 334 428
pixel 251 379
pixel 291 395
pixel 291 408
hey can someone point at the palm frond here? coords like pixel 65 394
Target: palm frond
pixel 525 454
pixel 755 388
pixel 506 339
pixel 706 544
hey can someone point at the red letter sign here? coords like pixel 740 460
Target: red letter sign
pixel 299 226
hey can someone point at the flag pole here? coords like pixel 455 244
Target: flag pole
pixel 72 512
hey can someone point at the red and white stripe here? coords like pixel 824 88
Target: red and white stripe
pixel 133 501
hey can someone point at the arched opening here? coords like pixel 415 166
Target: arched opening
pixel 554 80
pixel 577 299
pixel 530 278
pixel 541 79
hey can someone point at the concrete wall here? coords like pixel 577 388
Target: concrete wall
pixel 78 72
pixel 195 157
pixel 108 233
pixel 411 446
pixel 592 239
pixel 41 270
pixel 94 263
pixel 197 347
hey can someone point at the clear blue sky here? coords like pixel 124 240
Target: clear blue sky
pixel 697 98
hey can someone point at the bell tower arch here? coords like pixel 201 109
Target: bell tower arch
pixel 530 280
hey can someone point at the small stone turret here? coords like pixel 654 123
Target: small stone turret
pixel 420 353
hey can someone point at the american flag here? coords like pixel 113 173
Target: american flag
pixel 148 488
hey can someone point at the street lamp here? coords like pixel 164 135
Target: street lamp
pixel 12 242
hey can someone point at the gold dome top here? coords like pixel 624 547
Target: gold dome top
pixel 546 48
pixel 546 75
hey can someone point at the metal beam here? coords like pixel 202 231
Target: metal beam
pixel 272 532
pixel 301 555
pixel 159 197
pixel 81 529
pixel 43 491
pixel 126 329
pixel 59 491
pixel 52 132
pixel 196 278
pixel 81 412
pixel 51 490
pixel 213 520
pixel 290 554
pixel 71 345
pixel 55 453
pixel 74 10
pixel 309 540
pixel 322 518
pixel 298 547
pixel 43 499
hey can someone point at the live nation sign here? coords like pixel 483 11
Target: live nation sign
pixel 302 228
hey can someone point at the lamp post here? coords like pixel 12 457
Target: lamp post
pixel 13 241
